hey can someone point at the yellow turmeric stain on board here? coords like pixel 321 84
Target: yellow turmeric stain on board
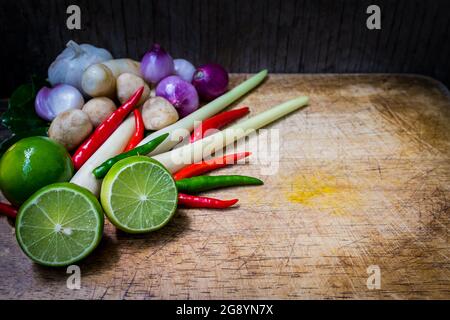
pixel 323 192
pixel 304 194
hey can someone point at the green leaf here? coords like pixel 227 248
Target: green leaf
pixel 21 116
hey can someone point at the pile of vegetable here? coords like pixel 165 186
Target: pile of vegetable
pixel 104 128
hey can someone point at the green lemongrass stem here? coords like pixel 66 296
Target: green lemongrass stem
pixel 110 148
pixel 195 152
pixel 182 128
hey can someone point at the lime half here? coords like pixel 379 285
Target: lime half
pixel 59 224
pixel 139 195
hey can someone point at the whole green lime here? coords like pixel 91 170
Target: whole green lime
pixel 30 164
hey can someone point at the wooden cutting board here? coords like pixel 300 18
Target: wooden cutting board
pixel 363 179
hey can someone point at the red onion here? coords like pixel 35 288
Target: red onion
pixel 211 81
pixel 52 101
pixel 184 69
pixel 181 94
pixel 156 64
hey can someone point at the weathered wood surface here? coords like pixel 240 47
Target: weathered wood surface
pixel 363 179
pixel 286 36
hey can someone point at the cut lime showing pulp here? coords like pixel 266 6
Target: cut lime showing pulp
pixel 60 224
pixel 139 195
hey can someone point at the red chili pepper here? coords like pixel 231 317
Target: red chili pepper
pixel 204 202
pixel 8 210
pixel 104 130
pixel 199 168
pixel 217 122
pixel 138 134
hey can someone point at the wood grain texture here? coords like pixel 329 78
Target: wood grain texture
pixel 363 179
pixel 288 36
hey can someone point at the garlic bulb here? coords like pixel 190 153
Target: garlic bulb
pixel 69 66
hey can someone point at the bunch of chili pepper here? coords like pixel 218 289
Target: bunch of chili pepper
pixel 190 179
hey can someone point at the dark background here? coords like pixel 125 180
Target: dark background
pixel 310 36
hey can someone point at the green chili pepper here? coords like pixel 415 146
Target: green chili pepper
pixel 204 183
pixel 102 170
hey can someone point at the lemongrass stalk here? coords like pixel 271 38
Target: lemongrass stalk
pixel 110 148
pixel 180 157
pixel 182 128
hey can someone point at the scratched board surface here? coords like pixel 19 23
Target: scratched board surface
pixel 363 179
